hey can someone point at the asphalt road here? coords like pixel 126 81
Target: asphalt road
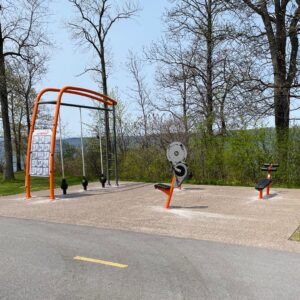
pixel 37 262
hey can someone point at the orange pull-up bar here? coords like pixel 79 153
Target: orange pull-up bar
pixel 65 90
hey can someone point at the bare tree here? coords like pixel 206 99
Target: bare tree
pixel 28 73
pixel 201 71
pixel 91 27
pixel 173 77
pixel 140 94
pixel 20 28
pixel 199 25
pixel 17 113
pixel 274 27
pixel 196 64
pixel 237 98
pixel 21 77
pixel 124 128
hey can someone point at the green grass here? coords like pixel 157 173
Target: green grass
pixel 17 186
pixel 296 235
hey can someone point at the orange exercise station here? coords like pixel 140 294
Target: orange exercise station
pixel 266 182
pixel 92 95
pixel 176 154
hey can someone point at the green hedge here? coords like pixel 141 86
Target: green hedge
pixel 231 160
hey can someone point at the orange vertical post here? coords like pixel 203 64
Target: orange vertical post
pixel 29 143
pixel 53 140
pixel 269 177
pixel 171 192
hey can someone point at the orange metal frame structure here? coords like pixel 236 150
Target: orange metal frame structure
pixel 65 90
pixel 168 190
pixel 270 167
pixel 269 177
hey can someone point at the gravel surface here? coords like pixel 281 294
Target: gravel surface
pixel 232 215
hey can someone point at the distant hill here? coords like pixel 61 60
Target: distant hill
pixel 72 141
pixel 75 142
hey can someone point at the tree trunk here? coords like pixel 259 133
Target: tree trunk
pixel 8 153
pixel 222 117
pixel 16 133
pixel 18 154
pixel 145 124
pixel 18 149
pixel 282 88
pixel 27 113
pixel 185 112
pixel 284 74
pixel 282 118
pixel 107 131
pixel 209 70
pixel 27 99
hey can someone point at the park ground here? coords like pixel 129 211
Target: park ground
pixel 214 242
pixel 232 215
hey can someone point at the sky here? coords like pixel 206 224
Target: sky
pixel 67 60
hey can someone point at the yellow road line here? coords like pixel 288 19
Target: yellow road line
pixel 102 262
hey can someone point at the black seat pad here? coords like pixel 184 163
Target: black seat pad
pixel 267 169
pixel 162 186
pixel 263 183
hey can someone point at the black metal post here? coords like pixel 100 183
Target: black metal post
pixel 115 147
pixel 107 146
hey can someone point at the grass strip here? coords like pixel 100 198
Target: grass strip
pixel 17 186
pixel 296 235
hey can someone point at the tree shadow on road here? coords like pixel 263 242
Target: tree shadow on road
pixel 193 189
pixel 190 207
pixel 271 196
pixel 76 195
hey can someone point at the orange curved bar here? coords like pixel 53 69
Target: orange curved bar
pixel 109 100
pixel 34 115
pixel 69 90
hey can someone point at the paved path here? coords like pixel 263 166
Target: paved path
pixel 37 262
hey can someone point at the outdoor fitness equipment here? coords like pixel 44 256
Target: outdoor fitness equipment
pixel 266 182
pixel 176 155
pixel 84 181
pixel 44 148
pixel 102 177
pixel 64 184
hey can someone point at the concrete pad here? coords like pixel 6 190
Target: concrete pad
pixel 226 214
